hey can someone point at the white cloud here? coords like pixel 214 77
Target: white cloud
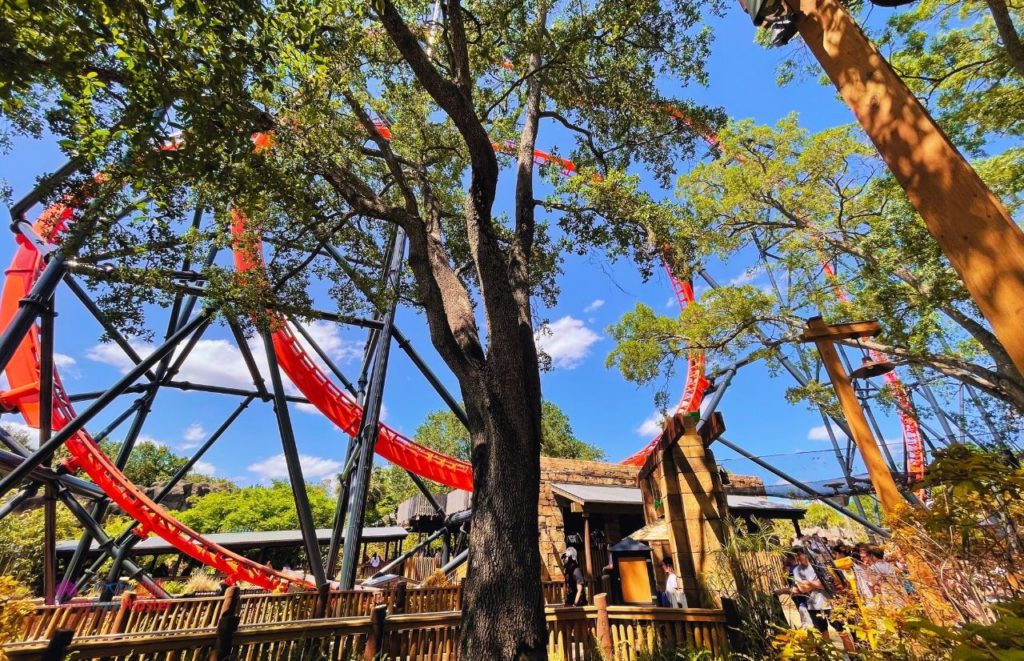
pixel 652 425
pixel 194 433
pixel 671 302
pixel 594 305
pixel 62 360
pixel 193 436
pixel 313 468
pixel 306 407
pixel 747 276
pixel 143 438
pixel 820 433
pixel 567 341
pixel 204 468
pixel 328 336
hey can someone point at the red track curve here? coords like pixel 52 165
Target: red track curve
pixel 23 375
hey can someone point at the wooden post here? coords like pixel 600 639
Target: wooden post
pixel 59 642
pixel 123 612
pixel 323 597
pixel 375 639
pixel 973 228
pixel 604 627
pixel 824 337
pixel 227 624
pixel 401 595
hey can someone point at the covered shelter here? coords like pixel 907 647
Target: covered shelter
pixel 278 547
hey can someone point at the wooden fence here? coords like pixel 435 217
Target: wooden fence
pixel 135 615
pixel 574 634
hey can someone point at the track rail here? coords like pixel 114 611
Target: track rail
pixel 23 375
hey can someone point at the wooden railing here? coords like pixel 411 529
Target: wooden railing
pixel 574 634
pixel 135 615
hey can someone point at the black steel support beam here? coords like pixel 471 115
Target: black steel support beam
pixel 187 386
pixel 79 487
pixel 810 491
pixel 370 424
pixel 47 449
pixel 31 306
pixel 45 431
pixel 291 456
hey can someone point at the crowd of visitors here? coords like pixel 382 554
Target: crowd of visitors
pixel 859 576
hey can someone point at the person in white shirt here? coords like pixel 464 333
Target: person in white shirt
pixel 818 605
pixel 674 595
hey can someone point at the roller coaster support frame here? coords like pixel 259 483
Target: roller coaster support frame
pixel 47 449
pixel 369 427
pixel 128 539
pixel 187 386
pixel 444 532
pixel 31 306
pixel 8 460
pixel 291 457
pixel 810 491
pixel 824 338
pixel 983 243
pixel 405 345
pixel 106 544
pixel 165 370
pixel 847 476
pixel 793 370
pixel 45 431
pixel 334 546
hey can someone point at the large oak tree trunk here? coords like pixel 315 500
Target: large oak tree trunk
pixel 503 602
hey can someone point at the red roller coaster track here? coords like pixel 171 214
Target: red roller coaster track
pixel 23 373
pixel 23 376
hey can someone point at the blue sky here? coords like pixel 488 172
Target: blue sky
pixel 604 409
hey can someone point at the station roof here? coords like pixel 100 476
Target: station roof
pixel 596 496
pixel 236 541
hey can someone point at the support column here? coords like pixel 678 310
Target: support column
pixel 370 424
pixel 685 474
pixel 824 338
pixel 45 431
pixel 973 228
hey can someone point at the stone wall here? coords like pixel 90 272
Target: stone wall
pixel 570 471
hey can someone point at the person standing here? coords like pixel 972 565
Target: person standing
pixel 819 607
pixel 575 581
pixel 674 596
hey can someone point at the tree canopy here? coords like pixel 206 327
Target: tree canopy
pixel 255 508
pixel 823 230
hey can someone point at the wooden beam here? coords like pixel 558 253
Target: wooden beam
pixel 881 478
pixel 973 228
pixel 817 329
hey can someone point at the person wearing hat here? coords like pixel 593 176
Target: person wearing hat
pixel 575 582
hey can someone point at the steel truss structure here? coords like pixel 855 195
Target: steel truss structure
pixel 27 354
